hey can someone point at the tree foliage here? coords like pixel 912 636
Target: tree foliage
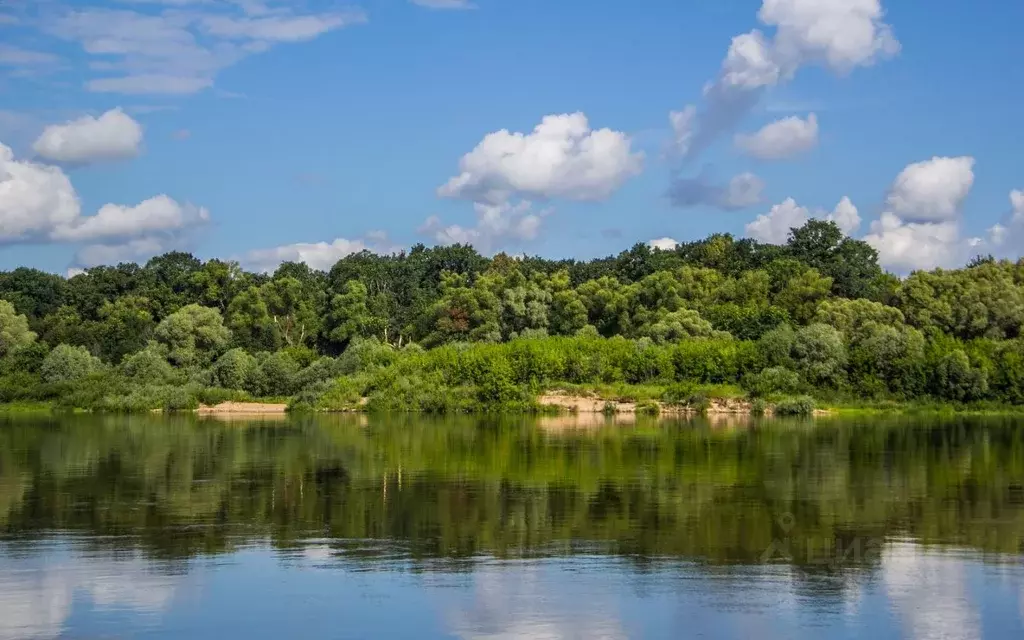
pixel 816 314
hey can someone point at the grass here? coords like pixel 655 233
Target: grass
pixel 25 408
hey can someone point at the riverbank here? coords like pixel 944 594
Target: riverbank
pixel 620 403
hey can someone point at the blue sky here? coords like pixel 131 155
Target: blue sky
pixel 271 126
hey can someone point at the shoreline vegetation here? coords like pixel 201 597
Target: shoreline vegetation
pixel 719 326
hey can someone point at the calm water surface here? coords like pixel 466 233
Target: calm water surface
pixel 117 527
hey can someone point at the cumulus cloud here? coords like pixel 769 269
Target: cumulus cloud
pixel 562 158
pixel 906 246
pixel 156 215
pixel 318 255
pixel 838 34
pixel 664 244
pixel 781 139
pixel 841 34
pixel 774 226
pixel 114 135
pixel 920 228
pixel 1009 233
pixel 182 51
pixel 932 190
pixel 34 198
pixel 743 190
pixel 682 129
pixel 497 224
pixel 38 203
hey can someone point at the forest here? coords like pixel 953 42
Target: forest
pixel 445 329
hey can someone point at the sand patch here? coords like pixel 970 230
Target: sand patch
pixel 243 409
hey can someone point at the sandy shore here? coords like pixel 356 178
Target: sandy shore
pixel 593 404
pixel 242 409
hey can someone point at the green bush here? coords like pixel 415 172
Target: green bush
pixel 798 406
pixel 758 407
pixel 235 369
pixel 148 366
pixel 648 408
pixel 276 375
pixel 67 364
pixel 771 382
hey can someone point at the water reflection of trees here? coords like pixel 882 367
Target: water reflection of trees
pixel 179 487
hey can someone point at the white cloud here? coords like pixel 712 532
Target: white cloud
pixel 34 198
pixel 156 215
pixel 749 64
pixel 774 226
pixel 497 225
pixel 445 4
pixel 664 244
pixel 38 203
pixel 846 216
pixel 743 190
pixel 181 51
pixel 682 129
pixel 11 56
pixel 781 139
pixel 920 228
pixel 147 84
pixel 1010 231
pixel 278 28
pixel 318 255
pixel 907 246
pixel 134 250
pixel 113 135
pixel 562 158
pixel 840 34
pixel 933 190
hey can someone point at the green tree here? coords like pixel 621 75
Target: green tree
pixel 349 317
pixel 294 310
pixel 819 355
pixel 801 295
pixel 194 335
pixel 14 331
pixel 125 326
pixel 250 323
pixel 235 369
pixel 67 364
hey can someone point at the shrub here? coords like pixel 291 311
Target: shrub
pixel 758 407
pixel 212 396
pixel 67 364
pixel 798 406
pixel 148 366
pixel 678 393
pixel 276 375
pixel 235 369
pixel 648 408
pixel 771 381
pixel 320 371
pixel 365 354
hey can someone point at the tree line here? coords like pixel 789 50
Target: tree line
pixel 817 314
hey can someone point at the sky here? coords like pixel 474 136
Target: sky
pixel 273 130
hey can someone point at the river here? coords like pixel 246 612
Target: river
pixel 407 527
